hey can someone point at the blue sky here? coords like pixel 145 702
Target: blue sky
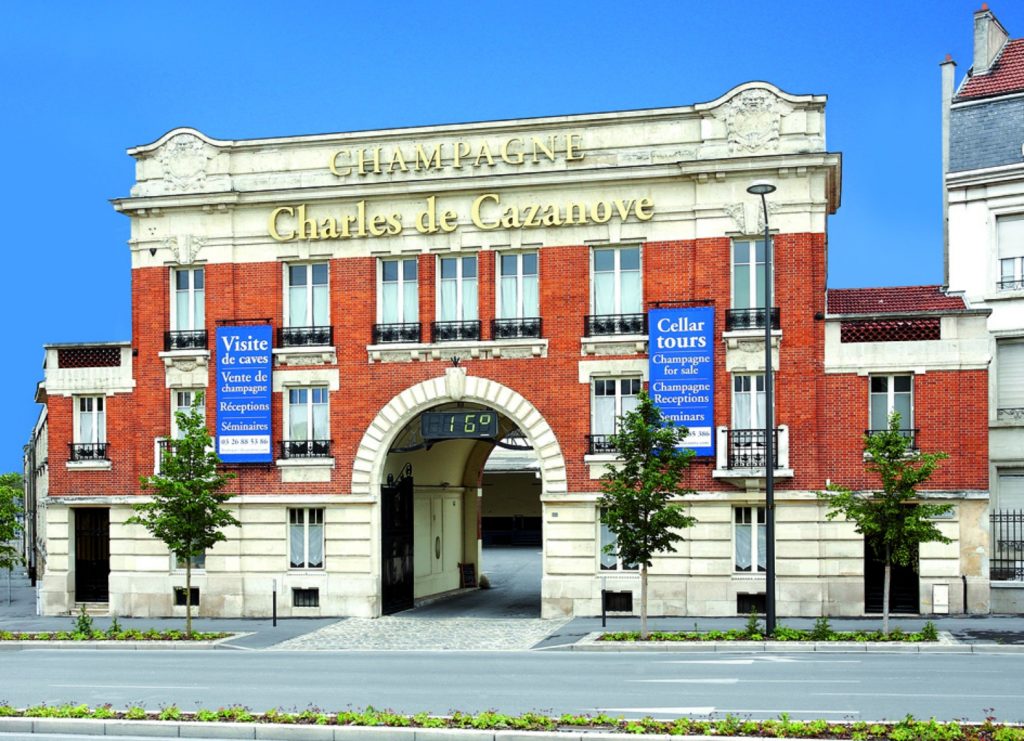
pixel 84 81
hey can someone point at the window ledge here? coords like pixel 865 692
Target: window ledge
pixel 327 462
pixel 89 465
pixel 601 458
pixel 750 473
pixel 751 334
pixel 185 360
pixel 306 355
pixel 614 344
pixel 1007 295
pixel 406 352
pixel 742 576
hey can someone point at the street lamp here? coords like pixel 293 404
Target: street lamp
pixel 762 188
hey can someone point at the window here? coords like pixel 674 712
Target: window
pixel 611 561
pixel 188 309
pixel 92 421
pixel 749 549
pixel 748 400
pixel 306 538
pixel 179 596
pixel 1010 379
pixel 307 295
pixel 198 562
pixel 399 294
pixel 518 286
pixel 181 401
pixel 1010 238
pixel 617 283
pixel 1010 494
pixel 612 398
pixel 307 414
pixel 748 274
pixel 458 289
pixel 891 394
pixel 305 597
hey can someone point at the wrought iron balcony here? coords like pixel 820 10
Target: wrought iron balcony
pixel 185 339
pixel 596 325
pixel 910 434
pixel 454 331
pixel 88 451
pixel 318 336
pixel 749 319
pixel 507 329
pixel 600 444
pixel 1011 285
pixel 305 448
pixel 746 448
pixel 407 332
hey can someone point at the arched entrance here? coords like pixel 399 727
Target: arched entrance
pixel 447 479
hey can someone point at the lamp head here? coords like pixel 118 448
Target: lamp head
pixel 761 188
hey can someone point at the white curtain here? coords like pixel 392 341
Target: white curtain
pixel 296 542
pixel 761 547
pixel 320 415
pixel 604 293
pixel 604 415
pixel 298 415
pixel 320 298
pixel 609 561
pixel 631 294
pixel 297 315
pixel 316 545
pixel 410 301
pixel 389 303
pixel 743 552
pixel 507 308
pixel 449 294
pixel 531 296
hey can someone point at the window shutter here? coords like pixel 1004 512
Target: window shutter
pixel 1011 491
pixel 1010 373
pixel 1010 235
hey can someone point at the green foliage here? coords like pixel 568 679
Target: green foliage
pixel 114 628
pixel 11 492
pixel 822 629
pixel 83 625
pixel 929 632
pixel 753 624
pixel 187 508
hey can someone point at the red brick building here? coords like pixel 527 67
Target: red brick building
pixel 501 274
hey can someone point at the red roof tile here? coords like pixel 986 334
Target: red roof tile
pixel 1006 75
pixel 895 300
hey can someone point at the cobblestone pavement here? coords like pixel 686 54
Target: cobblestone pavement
pixel 398 633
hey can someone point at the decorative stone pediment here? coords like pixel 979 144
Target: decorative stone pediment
pixel 184 160
pixel 753 120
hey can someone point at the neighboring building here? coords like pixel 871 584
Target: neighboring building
pixel 410 296
pixel 983 134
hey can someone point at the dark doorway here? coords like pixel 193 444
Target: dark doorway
pixel 92 555
pixel 396 522
pixel 904 594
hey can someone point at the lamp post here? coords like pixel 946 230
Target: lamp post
pixel 761 188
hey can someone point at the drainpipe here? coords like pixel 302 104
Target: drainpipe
pixel 948 73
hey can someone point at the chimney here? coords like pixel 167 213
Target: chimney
pixel 948 74
pixel 989 38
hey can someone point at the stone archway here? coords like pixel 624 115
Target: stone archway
pixel 455 385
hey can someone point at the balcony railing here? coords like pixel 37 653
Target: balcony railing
pixel 1011 284
pixel 319 336
pixel 88 451
pixel 749 319
pixel 454 331
pixel 1007 560
pixel 305 449
pixel 910 434
pixel 407 332
pixel 600 444
pixel 185 339
pixel 507 329
pixel 746 448
pixel 596 325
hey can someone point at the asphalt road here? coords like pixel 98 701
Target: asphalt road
pixel 833 686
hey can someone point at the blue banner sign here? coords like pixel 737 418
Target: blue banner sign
pixel 681 358
pixel 243 394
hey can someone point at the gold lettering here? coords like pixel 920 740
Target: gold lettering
pixel 474 211
pixel 580 211
pixel 531 215
pixel 513 158
pixel 329 228
pixel 462 149
pixel 645 209
pixel 551 216
pixel 378 225
pixel 397 157
pixel 394 224
pixel 361 219
pixel 333 163
pixel 433 161
pixel 597 216
pixel 307 226
pixel 426 221
pixel 548 149
pixel 485 151
pixel 272 224
pixel 570 145
pixel 346 223
pixel 510 218
pixel 448 222
pixel 624 207
pixel 361 162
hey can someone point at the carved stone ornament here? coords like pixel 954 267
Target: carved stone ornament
pixel 185 247
pixel 184 160
pixel 455 382
pixel 752 121
pixel 737 213
pixel 773 207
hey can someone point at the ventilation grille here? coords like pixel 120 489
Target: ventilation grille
pixel 89 357
pixel 894 330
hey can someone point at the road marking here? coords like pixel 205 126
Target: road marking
pixel 748 662
pixel 712 709
pixel 672 711
pixel 958 695
pixel 685 681
pixel 135 686
pixel 748 681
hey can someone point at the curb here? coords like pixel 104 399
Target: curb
pixel 125 645
pixel 184 729
pixel 947 644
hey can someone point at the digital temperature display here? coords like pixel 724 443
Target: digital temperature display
pixel 454 425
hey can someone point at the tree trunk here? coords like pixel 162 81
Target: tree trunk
pixel 885 592
pixel 188 597
pixel 643 602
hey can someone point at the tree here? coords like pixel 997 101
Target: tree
pixel 11 491
pixel 637 497
pixel 892 524
pixel 186 510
